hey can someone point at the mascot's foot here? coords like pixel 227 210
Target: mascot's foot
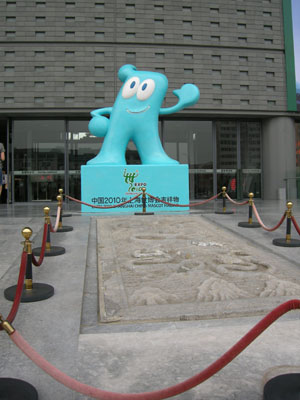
pixel 103 161
pixel 166 161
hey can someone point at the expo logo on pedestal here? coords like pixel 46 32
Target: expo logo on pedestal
pixel 129 178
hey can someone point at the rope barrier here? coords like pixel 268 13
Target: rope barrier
pixel 15 306
pixel 153 197
pixel 57 222
pixel 235 202
pixel 102 207
pixel 49 250
pixel 183 205
pixel 39 262
pixel 263 225
pixel 177 389
pixel 295 224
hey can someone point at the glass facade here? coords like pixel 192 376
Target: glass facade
pixel 48 154
pixel 250 158
pixel 38 159
pixel 227 161
pixel 81 147
pixel 298 158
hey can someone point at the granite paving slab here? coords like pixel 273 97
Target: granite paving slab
pixel 166 268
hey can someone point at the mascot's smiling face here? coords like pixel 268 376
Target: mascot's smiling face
pixel 142 93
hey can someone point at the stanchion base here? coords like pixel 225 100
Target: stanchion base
pixel 247 225
pixel 281 387
pixel 66 215
pixel 144 213
pixel 40 291
pixel 65 229
pixel 54 251
pixel 284 243
pixel 224 212
pixel 63 215
pixel 15 389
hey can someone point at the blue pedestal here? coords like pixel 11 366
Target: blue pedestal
pixel 107 185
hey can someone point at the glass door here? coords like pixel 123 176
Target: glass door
pixel 226 157
pixel 4 164
pixel 190 142
pixel 82 147
pixel 38 159
pixel 250 136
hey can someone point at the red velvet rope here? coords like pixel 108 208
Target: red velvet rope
pixel 102 207
pixel 179 388
pixel 183 205
pixel 235 202
pixel 15 306
pixel 295 224
pixel 262 224
pixel 42 254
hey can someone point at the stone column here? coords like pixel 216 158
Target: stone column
pixel 279 158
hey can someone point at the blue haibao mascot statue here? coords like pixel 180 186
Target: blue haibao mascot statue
pixel 134 116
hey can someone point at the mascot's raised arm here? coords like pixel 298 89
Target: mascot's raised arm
pixel 134 116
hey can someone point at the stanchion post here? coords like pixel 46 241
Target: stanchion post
pixel 224 203
pixel 250 217
pixel 288 241
pixel 224 198
pixel 60 200
pixel 250 223
pixel 144 199
pixel 49 250
pixel 62 228
pixel 144 212
pixel 27 233
pixel 31 291
pixel 47 222
pixel 288 221
pixel 61 193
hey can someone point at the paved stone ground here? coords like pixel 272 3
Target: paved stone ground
pixel 183 267
pixel 128 356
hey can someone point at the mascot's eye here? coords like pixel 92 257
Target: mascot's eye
pixel 145 89
pixel 130 88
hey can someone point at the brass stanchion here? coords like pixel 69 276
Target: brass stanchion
pixel 144 205
pixel 62 228
pixel 250 223
pixel 61 193
pixel 224 203
pixel 288 241
pixel 50 250
pixel 31 291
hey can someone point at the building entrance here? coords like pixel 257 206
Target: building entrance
pixel 48 154
pixel 221 153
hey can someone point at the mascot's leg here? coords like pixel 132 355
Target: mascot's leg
pixel 150 148
pixel 113 149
